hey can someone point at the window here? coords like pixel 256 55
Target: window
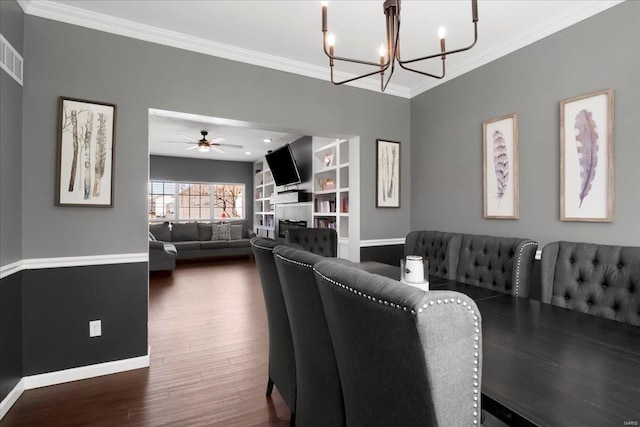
pixel 229 201
pixel 162 201
pixel 192 201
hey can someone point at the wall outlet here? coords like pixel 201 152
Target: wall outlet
pixel 95 328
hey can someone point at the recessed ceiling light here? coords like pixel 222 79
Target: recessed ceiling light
pixel 267 140
pixel 247 152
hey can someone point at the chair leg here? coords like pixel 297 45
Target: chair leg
pixel 292 423
pixel 269 387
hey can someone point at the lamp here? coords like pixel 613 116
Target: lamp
pixel 390 54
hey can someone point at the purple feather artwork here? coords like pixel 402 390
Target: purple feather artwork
pixel 587 146
pixel 501 163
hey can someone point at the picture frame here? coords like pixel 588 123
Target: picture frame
pixel 86 148
pixel 388 174
pixel 328 160
pixel 586 158
pixel 500 167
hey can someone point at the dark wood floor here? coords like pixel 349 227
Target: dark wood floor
pixel 209 356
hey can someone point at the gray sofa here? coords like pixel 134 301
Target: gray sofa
pixel 193 240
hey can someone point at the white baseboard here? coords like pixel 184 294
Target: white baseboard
pixel 11 398
pixel 84 372
pixel 73 374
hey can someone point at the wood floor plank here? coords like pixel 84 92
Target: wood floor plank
pixel 209 360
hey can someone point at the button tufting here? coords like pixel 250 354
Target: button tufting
pixel 604 286
pixel 571 260
pixel 620 266
pixel 595 262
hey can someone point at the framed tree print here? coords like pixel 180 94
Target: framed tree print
pixel 500 167
pixel 86 143
pixel 586 157
pixel 387 174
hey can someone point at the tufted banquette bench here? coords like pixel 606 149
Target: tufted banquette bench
pixel 597 279
pixel 502 264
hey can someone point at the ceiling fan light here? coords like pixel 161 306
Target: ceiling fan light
pixel 203 148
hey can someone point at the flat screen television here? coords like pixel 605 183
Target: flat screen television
pixel 283 166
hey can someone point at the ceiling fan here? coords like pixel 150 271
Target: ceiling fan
pixel 204 145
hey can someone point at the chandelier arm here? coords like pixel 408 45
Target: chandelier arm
pixel 340 58
pixel 450 52
pixel 373 73
pixel 425 73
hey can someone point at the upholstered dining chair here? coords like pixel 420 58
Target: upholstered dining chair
pixel 502 264
pixel 319 401
pixel 441 249
pixel 321 241
pixel 405 356
pixel 602 280
pixel 282 365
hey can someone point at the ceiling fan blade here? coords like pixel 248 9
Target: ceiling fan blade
pixel 218 139
pixel 191 148
pixel 230 146
pixel 176 142
pixel 216 149
pixel 187 137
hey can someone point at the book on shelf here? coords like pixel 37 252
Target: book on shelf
pixel 325 206
pixel 325 223
pixel 345 205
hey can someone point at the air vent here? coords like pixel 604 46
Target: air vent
pixel 10 60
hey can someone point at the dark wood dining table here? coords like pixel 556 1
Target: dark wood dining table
pixel 545 365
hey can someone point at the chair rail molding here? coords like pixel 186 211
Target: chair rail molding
pixel 73 261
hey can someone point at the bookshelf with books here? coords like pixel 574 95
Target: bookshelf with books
pixel 263 209
pixel 332 173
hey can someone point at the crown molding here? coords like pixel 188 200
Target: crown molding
pixel 580 12
pixel 101 22
pixel 97 21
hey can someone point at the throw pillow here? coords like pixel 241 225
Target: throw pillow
pixel 204 232
pixel 236 231
pixel 221 232
pixel 161 232
pixel 187 232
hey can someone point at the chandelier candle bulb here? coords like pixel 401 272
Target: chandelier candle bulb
pixel 331 41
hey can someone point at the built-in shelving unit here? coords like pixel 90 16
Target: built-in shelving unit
pixel 331 201
pixel 263 209
pixel 335 200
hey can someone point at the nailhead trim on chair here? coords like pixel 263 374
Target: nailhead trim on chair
pixel 431 303
pixel 263 247
pixel 293 262
pixel 518 264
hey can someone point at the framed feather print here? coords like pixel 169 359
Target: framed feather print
pixel 586 157
pixel 500 167
pixel 86 142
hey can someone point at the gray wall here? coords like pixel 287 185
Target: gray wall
pixel 446 131
pixel 78 62
pixel 12 24
pixel 184 169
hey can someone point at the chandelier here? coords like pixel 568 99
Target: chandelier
pixel 390 54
